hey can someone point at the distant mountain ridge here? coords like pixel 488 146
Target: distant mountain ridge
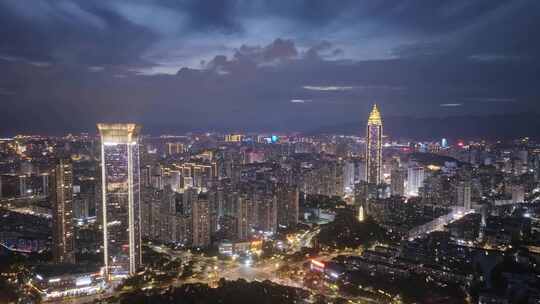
pixel 452 127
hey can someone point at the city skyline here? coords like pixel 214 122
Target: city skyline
pixel 270 152
pixel 289 211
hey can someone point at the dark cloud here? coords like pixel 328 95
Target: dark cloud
pixel 247 58
pixel 70 32
pixel 295 65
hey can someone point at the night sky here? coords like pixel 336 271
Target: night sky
pixel 448 67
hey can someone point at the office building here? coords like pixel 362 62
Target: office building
pixel 121 199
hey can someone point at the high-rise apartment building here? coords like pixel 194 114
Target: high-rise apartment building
pixel 518 193
pixel 174 148
pixel 415 179
pixel 287 206
pixel 464 194
pixel 121 199
pixel 397 182
pixel 324 178
pixel 234 137
pixel 267 212
pixel 242 217
pixel 348 176
pixel 61 190
pixel 374 147
pixel 201 221
pixel 22 186
pixel 45 184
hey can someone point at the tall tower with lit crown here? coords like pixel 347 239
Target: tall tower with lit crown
pixel 374 147
pixel 121 199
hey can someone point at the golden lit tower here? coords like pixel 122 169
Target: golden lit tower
pixel 374 147
pixel 121 199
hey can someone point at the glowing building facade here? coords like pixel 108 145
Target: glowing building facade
pixel 374 147
pixel 121 199
pixel 234 137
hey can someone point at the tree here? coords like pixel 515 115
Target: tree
pixel 347 231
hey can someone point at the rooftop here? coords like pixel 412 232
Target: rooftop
pixel 119 133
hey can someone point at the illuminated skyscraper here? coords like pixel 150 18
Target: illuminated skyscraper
pixel 61 185
pixel 415 179
pixel 121 199
pixel 374 147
